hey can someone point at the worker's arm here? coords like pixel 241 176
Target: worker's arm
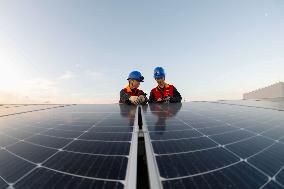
pixel 145 98
pixel 124 97
pixel 151 98
pixel 177 97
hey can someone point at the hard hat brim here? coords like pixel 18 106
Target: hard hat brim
pixel 136 79
pixel 159 77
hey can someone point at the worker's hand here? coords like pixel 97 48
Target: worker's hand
pixel 141 99
pixel 159 100
pixel 167 99
pixel 134 100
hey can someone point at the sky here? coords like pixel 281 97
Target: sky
pixel 82 51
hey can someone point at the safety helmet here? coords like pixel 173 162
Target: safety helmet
pixel 159 73
pixel 136 75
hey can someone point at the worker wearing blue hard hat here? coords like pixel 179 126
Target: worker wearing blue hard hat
pixel 131 94
pixel 163 92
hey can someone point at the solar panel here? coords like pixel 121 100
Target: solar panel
pixel 214 145
pixel 273 103
pixel 80 146
pixel 188 145
pixel 6 110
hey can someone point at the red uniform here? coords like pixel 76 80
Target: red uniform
pixel 168 91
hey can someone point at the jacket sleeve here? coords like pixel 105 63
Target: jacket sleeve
pixel 145 95
pixel 124 97
pixel 177 97
pixel 151 98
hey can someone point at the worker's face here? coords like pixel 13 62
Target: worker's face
pixel 161 82
pixel 134 84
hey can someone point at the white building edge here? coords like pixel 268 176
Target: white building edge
pixel 273 91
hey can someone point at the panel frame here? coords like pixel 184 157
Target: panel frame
pixel 153 171
pixel 131 172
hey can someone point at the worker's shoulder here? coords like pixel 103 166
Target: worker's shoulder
pixel 141 91
pixel 170 85
pixel 123 90
pixel 152 90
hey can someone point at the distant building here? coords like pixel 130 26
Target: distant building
pixel 273 91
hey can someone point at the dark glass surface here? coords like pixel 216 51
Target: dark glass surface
pixel 179 165
pixel 98 147
pixel 106 136
pixel 260 128
pixel 18 109
pixel 273 185
pixel 31 129
pixel 174 135
pixel 48 141
pixel 204 124
pixel 112 129
pixel 250 146
pixel 196 145
pixel 217 130
pixel 277 103
pixel 270 160
pixel 115 122
pixel 239 176
pixel 3 184
pixel 43 178
pixel 104 167
pixel 238 147
pixel 6 140
pixel 275 133
pixel 78 127
pixel 63 133
pixel 31 152
pixel 13 167
pixel 41 149
pixel 183 145
pixel 280 177
pixel 231 136
pixel 168 128
pixel 15 133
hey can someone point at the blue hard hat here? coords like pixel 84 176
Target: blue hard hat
pixel 159 73
pixel 136 75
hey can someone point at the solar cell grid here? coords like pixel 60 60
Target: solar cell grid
pixel 235 147
pixel 67 150
pixel 188 145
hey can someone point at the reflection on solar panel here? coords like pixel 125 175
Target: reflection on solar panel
pixel 213 145
pixel 189 145
pixel 275 104
pixel 6 110
pixel 82 146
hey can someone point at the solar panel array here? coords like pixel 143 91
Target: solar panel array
pixel 213 145
pixel 189 145
pixel 82 146
pixel 6 110
pixel 273 104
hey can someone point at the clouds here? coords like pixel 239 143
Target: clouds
pixel 67 75
pixel 37 90
pixel 60 89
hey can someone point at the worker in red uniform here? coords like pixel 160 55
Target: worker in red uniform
pixel 163 92
pixel 131 94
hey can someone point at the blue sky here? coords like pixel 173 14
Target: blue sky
pixel 82 51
